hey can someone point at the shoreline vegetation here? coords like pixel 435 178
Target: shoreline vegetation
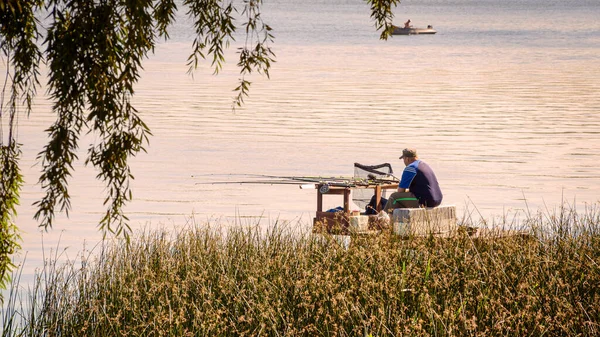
pixel 252 281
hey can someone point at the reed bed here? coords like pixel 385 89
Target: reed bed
pixel 248 281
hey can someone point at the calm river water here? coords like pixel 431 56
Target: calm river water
pixel 502 102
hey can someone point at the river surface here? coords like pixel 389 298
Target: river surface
pixel 503 103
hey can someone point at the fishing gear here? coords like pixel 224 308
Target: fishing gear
pixel 292 180
pixel 364 176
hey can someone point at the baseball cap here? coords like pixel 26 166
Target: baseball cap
pixel 412 153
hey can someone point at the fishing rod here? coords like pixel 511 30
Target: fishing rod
pixel 370 176
pixel 313 181
pixel 294 178
pixel 266 182
pixel 282 182
pixel 312 184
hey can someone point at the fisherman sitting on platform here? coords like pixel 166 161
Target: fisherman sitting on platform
pixel 418 186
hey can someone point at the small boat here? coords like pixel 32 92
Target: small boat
pixel 413 31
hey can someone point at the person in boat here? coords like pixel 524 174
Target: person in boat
pixel 418 185
pixel 407 24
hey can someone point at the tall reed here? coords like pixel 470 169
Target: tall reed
pixel 249 281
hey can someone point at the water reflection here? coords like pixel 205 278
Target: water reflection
pixel 507 118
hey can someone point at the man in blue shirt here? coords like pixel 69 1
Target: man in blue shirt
pixel 418 186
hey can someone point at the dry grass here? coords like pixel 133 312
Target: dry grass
pixel 244 282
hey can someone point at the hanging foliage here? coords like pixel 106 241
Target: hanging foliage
pixel 94 52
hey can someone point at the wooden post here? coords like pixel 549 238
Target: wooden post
pixel 347 200
pixel 378 206
pixel 319 199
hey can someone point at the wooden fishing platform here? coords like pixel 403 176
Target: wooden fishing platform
pixel 339 221
pixel 438 221
pixel 402 222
